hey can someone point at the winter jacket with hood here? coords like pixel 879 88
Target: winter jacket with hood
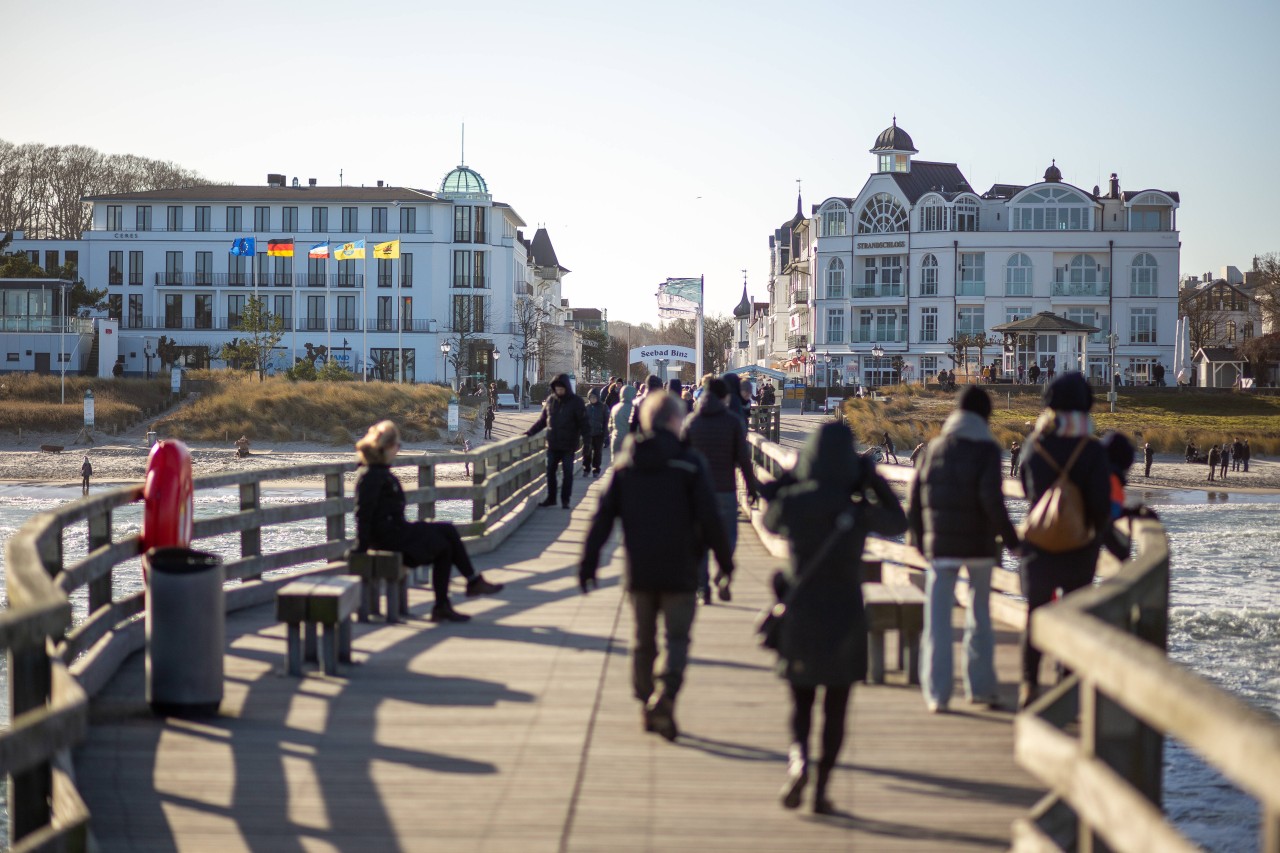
pixel 717 434
pixel 736 404
pixel 956 506
pixel 597 417
pixel 564 418
pixel 621 414
pixel 661 491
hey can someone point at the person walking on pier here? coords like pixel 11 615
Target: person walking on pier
pixel 662 493
pixel 564 417
pixel 713 431
pixel 381 524
pixel 489 417
pixel 835 499
pixel 620 414
pixel 653 383
pixel 1062 444
pixel 735 402
pixel 1214 458
pixel 597 425
pixel 86 471
pixel 957 518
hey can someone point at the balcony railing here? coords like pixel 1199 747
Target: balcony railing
pixel 971 288
pixel 478 282
pixel 1069 288
pixel 40 324
pixel 871 291
pixel 834 337
pixel 879 336
pixel 237 279
pixel 799 297
pixel 797 342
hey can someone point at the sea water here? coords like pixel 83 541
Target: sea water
pixel 1224 617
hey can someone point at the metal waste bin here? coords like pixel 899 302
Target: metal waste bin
pixel 186 631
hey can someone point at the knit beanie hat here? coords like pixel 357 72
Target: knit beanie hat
pixel 1069 393
pixel 976 400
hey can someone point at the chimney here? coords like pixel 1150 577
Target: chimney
pixel 379 184
pixel 1115 186
pixel 275 180
pixel 311 182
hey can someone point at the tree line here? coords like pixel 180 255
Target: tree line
pixel 41 186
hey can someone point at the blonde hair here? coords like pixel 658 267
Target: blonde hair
pixel 381 437
pixel 658 409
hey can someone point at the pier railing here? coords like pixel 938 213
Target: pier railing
pixel 56 663
pixel 1096 739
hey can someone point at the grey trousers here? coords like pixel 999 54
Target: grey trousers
pixel 676 609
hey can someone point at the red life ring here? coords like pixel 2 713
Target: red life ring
pixel 168 496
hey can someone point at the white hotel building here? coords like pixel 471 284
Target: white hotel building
pixel 918 257
pixel 163 257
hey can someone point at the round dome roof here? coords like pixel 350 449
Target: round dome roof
pixel 1053 174
pixel 894 138
pixel 464 181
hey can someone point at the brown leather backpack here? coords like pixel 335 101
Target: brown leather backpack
pixel 1058 523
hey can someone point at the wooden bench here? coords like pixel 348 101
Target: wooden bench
pixel 379 570
pixel 507 401
pixel 893 607
pixel 316 602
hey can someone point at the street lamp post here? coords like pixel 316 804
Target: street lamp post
pixel 518 355
pixel 493 370
pixel 809 366
pixel 826 380
pixel 444 358
pixel 877 352
pixel 1111 342
pixel 147 353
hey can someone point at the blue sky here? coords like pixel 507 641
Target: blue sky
pixel 665 139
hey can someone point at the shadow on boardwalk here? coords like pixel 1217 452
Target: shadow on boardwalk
pixel 517 732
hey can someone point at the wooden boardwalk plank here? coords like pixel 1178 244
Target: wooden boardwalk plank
pixel 517 732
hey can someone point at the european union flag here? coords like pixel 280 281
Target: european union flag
pixel 242 246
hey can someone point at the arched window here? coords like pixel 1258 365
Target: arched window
pixel 834 221
pixel 1142 276
pixel 1083 276
pixel 933 214
pixel 1052 209
pixel 965 215
pixel 882 215
pixel 835 279
pixel 929 276
pixel 1017 276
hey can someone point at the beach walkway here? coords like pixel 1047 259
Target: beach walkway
pixel 517 732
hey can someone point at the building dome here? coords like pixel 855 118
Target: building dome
pixel 744 307
pixel 1053 175
pixel 894 138
pixel 463 181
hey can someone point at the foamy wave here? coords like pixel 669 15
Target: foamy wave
pixel 1249 625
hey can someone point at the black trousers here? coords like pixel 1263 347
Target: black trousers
pixel 1042 575
pixel 440 544
pixel 560 459
pixel 835 704
pixel 593 453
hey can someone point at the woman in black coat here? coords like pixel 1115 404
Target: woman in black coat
pixel 836 500
pixel 381 525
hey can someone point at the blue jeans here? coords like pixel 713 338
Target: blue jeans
pixel 936 667
pixel 727 504
pixel 560 459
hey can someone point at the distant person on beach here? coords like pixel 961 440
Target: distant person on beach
pixel 888 449
pixel 1237 455
pixel 86 471
pixel 1034 374
pixel 1148 456
pixel 1015 451
pixel 242 446
pixel 1225 461
pixel 466 448
pixel 1214 458
pixel 1247 453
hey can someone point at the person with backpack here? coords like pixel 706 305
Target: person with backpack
pixel 957 518
pixel 1065 476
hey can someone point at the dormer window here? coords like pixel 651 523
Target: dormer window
pixel 894 163
pixel 1054 208
pixel 1151 211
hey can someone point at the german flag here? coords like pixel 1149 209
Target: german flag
pixel 280 248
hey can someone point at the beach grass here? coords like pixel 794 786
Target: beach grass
pixel 32 403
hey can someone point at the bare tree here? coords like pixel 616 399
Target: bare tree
pixel 470 326
pixel 1205 318
pixel 1266 270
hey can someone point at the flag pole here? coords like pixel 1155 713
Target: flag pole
pixel 328 299
pixel 399 323
pixel 364 298
pixel 702 283
pixel 293 304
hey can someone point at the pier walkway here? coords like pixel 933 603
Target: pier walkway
pixel 517 732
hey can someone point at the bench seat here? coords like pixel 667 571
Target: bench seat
pixel 893 607
pixel 306 605
pixel 380 570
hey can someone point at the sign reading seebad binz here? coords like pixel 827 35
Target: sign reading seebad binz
pixel 657 351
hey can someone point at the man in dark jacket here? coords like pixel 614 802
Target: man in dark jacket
pixel 653 383
pixel 1064 425
pixel 734 401
pixel 662 492
pixel 597 424
pixel 957 518
pixel 564 417
pixel 718 435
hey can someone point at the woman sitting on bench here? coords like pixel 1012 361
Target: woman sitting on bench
pixel 381 525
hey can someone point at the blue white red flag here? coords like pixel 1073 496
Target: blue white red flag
pixel 319 250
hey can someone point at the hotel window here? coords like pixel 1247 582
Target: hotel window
pixel 204 218
pixel 379 220
pixel 928 325
pixel 834 222
pixel 235 311
pixel 893 162
pixel 173 311
pixel 408 220
pixel 929 276
pixel 173 221
pixel 973 274
pixel 237 269
pixel 384 272
pixel 1082 315
pixel 115 267
pixel 933 216
pixel 835 325
pixel 262 218
pixel 882 215
pixel 115 306
pixel 289 219
pixel 282 307
pixel 72 259
pixel 203 313
pixel 262 268
pixel 965 215
pixel 406 269
pixel 1017 276
pixel 235 218
pixel 386 322
pixel 1142 325
pixel 1052 209
pixel 481 234
pixel 461 269
pixel 115 219
pixel 282 276
pixel 135 268
pixel 315 314
pixel 350 220
pixel 462 225
pixel 1016 312
pixel 173 268
pixel 315 272
pixel 835 279
pixel 1142 276
pixel 142 217
pixel 406 313
pixel 135 311
pixel 887 325
pixel 928 367
pixel 204 268
pixel 468 314
pixel 1084 275
pixel 51 261
pixel 320 219
pixel 869 273
pixel 479 279
pixel 971 321
pixel 891 275
pixel 345 314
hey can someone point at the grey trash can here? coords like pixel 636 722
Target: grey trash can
pixel 186 631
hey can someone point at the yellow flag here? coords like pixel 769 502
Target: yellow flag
pixel 349 251
pixel 387 250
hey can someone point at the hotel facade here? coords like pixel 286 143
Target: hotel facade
pixel 870 288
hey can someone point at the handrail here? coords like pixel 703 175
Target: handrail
pixel 1125 693
pixel 55 665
